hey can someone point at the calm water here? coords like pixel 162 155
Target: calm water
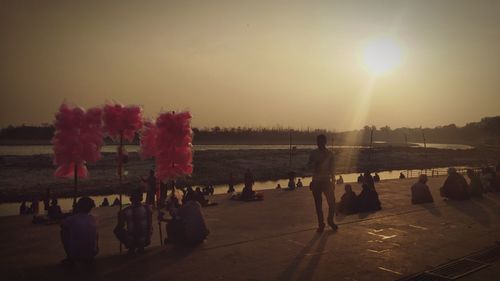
pixel 10 209
pixel 47 149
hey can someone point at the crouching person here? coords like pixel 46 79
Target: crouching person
pixel 134 228
pixel 79 234
pixel 187 225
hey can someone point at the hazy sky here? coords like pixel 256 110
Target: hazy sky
pixel 252 63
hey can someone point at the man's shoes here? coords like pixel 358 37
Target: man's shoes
pixel 321 228
pixel 333 225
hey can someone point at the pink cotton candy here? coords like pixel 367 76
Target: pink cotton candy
pixel 78 139
pixel 173 145
pixel 119 119
pixel 148 140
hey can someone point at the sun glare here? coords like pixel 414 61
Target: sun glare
pixel 381 56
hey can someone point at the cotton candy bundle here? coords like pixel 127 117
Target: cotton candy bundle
pixel 78 139
pixel 173 145
pixel 119 119
pixel 148 140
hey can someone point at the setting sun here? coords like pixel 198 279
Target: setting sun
pixel 381 56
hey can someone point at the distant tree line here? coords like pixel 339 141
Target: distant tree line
pixel 486 131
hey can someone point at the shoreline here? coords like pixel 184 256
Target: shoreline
pixel 28 176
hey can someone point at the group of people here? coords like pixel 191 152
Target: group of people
pixel 456 186
pixel 366 201
pixel 187 226
pixel 134 227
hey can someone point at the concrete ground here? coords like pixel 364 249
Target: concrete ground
pixel 276 240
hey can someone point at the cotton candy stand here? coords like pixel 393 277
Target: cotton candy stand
pixel 121 123
pixel 78 139
pixel 169 142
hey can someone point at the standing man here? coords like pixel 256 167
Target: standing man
pixel 322 163
pixel 151 187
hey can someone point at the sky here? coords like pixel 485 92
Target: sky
pixel 252 63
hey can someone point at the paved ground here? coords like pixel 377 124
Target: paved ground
pixel 276 240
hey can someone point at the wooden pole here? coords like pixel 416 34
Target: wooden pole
pixel 371 145
pixel 75 187
pixel 120 168
pixel 290 148
pixel 159 221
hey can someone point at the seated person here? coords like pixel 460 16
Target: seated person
pixel 368 199
pixel 105 203
pixel 420 192
pixel 299 183
pixel 376 178
pixel 291 183
pixel 368 179
pixel 278 186
pixel 54 212
pixel 247 194
pixel 116 202
pixel 190 194
pixel 201 199
pixel 79 234
pixel 134 228
pixel 23 210
pixel 476 187
pixel 340 180
pixel 402 176
pixel 360 178
pixel 187 225
pixel 349 201
pixel 455 186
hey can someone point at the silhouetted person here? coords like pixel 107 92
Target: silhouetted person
pixel 348 202
pixel 291 181
pixel 455 186
pixel 278 186
pixel 340 180
pixel 46 200
pixel 476 187
pixel 402 176
pixel 135 227
pixel 23 210
pixel 231 184
pixel 247 192
pixel 299 183
pixel 54 212
pixel 376 177
pixel 368 179
pixel 211 189
pixel 420 192
pixel 79 234
pixel 488 180
pixel 360 178
pixel 190 194
pixel 116 202
pixel 187 225
pixel 151 187
pixel 368 199
pixel 200 197
pixel 105 202
pixel 322 163
pixel 35 207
